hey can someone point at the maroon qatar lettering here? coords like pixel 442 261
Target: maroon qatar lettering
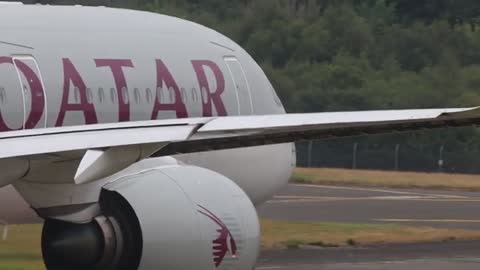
pixel 72 79
pixel 71 75
pixel 116 66
pixel 212 98
pixel 36 91
pixel 164 76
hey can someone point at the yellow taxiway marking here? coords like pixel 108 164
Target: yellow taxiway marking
pixel 429 220
pixel 379 190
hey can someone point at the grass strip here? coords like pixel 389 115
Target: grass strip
pixel 286 234
pixel 386 179
pixel 21 250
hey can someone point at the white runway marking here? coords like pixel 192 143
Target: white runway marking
pixel 428 220
pixel 380 190
pixel 310 199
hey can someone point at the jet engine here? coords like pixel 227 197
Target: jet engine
pixel 174 217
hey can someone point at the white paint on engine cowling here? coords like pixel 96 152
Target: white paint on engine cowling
pixel 47 195
pixel 182 210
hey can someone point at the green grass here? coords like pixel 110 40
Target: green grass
pixel 285 234
pixel 369 178
pixel 21 251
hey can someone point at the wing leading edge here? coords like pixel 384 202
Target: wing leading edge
pixel 205 134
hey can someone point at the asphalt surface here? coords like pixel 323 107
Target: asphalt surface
pixel 443 209
pixel 430 256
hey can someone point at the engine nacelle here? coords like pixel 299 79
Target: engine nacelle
pixel 175 217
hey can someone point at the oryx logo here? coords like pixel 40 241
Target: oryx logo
pixel 225 242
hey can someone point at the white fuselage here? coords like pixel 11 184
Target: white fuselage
pixel 63 66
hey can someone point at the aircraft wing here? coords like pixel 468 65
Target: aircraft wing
pixel 104 143
pixel 203 134
pixel 244 131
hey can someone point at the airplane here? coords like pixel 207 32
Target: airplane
pixel 144 141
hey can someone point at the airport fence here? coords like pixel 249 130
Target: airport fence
pixel 340 153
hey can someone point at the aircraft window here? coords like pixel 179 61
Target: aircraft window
pixel 3 95
pixel 125 96
pixel 25 89
pixel 89 96
pixel 101 95
pixel 76 94
pixel 204 95
pixel 194 95
pixel 159 94
pixel 171 93
pixel 113 95
pixel 184 96
pixel 136 92
pixel 149 95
